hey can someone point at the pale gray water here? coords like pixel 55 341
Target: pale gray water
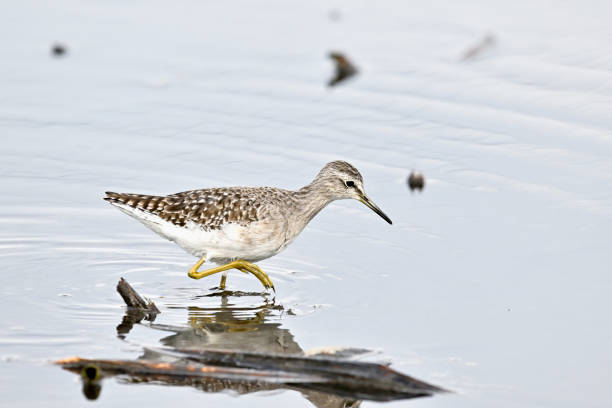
pixel 494 282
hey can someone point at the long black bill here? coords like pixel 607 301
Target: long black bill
pixel 364 199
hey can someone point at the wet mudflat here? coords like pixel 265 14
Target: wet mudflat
pixel 493 282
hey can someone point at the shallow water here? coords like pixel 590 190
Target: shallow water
pixel 493 283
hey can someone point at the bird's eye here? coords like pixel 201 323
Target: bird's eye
pixel 350 183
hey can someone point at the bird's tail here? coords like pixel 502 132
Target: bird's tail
pixel 148 203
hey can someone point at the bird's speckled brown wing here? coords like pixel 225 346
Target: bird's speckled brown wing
pixel 210 208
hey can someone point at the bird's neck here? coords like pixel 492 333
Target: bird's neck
pixel 308 201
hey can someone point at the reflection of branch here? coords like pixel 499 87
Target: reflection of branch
pixel 131 317
pixel 138 308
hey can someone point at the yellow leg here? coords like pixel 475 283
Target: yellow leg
pixel 242 266
pixel 254 269
pixel 223 280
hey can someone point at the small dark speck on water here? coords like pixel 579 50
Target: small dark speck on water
pixel 485 43
pixel 416 181
pixel 344 68
pixel 58 50
pixel 335 15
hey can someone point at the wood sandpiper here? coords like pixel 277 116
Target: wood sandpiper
pixel 236 226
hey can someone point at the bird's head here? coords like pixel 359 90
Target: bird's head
pixel 343 181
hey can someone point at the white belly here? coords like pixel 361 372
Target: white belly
pixel 254 242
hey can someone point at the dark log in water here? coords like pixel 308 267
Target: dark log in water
pixel 360 380
pixel 256 371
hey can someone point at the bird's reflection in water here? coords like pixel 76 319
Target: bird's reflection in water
pixel 252 327
pixel 233 327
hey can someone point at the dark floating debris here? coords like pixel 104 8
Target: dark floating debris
pixel 416 181
pixel 58 50
pixel 133 300
pixel 488 41
pixel 344 68
pixel 138 308
pixel 330 374
pixel 220 352
pixel 258 371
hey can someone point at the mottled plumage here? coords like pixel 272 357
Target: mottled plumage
pixel 209 208
pixel 223 225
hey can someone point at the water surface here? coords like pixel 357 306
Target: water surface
pixel 494 282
